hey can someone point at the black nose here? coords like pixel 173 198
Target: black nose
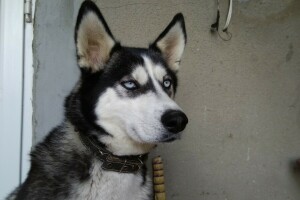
pixel 174 120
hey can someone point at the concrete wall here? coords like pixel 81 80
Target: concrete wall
pixel 242 96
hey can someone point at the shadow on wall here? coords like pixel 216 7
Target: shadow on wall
pixel 295 170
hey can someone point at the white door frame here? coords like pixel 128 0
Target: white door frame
pixel 28 70
pixel 16 75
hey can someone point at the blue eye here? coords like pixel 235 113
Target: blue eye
pixel 129 85
pixel 167 83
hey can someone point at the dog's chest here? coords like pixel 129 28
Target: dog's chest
pixel 105 185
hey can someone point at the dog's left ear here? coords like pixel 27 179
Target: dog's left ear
pixel 171 42
pixel 94 41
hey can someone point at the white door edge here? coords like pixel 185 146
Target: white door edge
pixel 11 63
pixel 27 129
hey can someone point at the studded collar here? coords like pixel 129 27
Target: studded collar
pixel 111 162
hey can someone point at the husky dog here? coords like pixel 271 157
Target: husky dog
pixel 119 110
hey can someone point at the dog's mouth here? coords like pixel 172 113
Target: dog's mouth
pixel 169 140
pixel 170 137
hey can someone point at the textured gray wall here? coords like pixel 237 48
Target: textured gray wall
pixel 242 96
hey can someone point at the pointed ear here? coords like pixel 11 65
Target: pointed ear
pixel 93 39
pixel 171 42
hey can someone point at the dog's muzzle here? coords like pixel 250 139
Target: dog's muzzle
pixel 174 121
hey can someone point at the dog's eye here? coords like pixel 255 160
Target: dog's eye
pixel 130 85
pixel 167 83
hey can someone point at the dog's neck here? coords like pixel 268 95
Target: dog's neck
pixel 111 162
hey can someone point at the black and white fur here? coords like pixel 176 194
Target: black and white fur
pixel 125 99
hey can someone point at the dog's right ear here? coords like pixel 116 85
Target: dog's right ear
pixel 93 39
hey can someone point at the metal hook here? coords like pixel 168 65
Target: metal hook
pixel 215 26
pixel 229 14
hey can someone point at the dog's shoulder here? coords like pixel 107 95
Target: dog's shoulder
pixel 62 154
pixel 58 162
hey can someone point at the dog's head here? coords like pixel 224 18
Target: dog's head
pixel 128 92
